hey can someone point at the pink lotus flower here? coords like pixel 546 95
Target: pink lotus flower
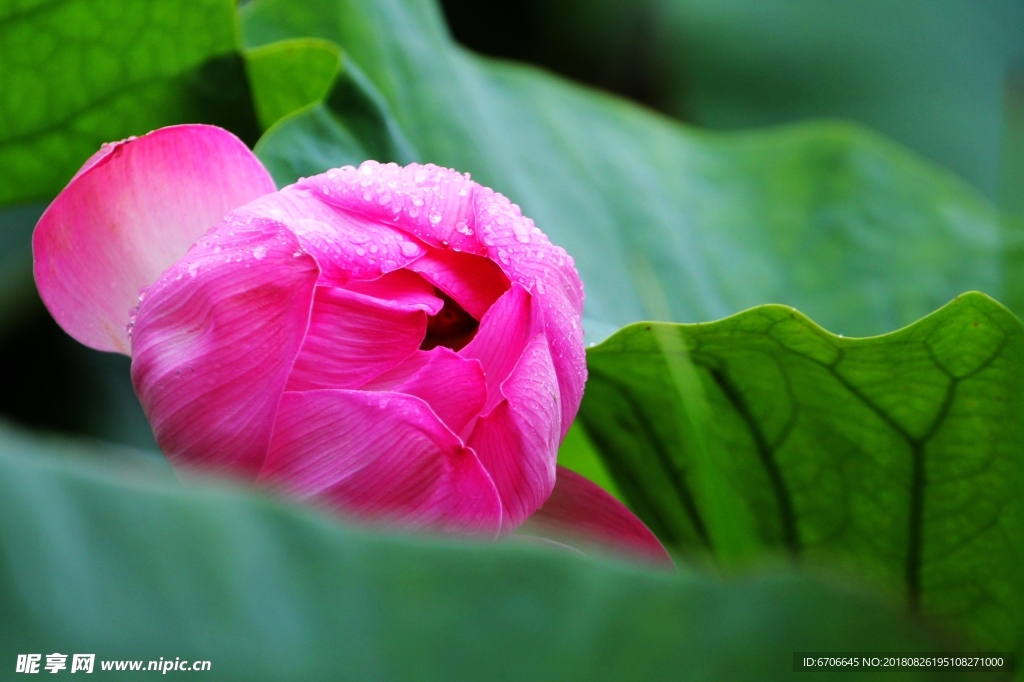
pixel 400 344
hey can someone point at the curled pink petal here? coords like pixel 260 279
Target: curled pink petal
pixel 518 440
pixel 352 338
pixel 581 514
pixel 403 287
pixel 380 456
pixel 445 209
pixel 527 257
pixel 503 334
pixel 134 209
pixel 474 282
pixel 453 386
pixel 214 342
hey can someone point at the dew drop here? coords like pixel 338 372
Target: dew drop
pixel 193 269
pixel 462 228
pixel 503 256
pixel 409 249
pixel 435 218
pixel 260 253
pixel 360 251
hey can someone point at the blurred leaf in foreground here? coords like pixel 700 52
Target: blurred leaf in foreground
pixel 130 567
pixel 897 456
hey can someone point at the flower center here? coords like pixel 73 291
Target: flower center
pixel 452 327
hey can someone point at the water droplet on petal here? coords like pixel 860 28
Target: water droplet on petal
pixel 260 252
pixel 193 269
pixel 503 256
pixel 435 218
pixel 410 249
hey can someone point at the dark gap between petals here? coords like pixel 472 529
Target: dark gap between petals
pixel 452 327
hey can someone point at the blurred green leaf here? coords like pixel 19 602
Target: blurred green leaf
pixel 898 456
pixel 289 74
pixel 579 454
pixel 352 122
pixel 127 566
pixel 929 73
pixel 77 73
pixel 851 228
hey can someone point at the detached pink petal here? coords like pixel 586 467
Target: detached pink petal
pixel 380 456
pixel 353 338
pixel 518 440
pixel 215 340
pixel 580 514
pixel 447 210
pixel 134 209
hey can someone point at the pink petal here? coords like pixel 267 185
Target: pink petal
pixel 548 272
pixel 404 287
pixel 474 282
pixel 380 456
pixel 503 334
pixel 581 514
pixel 348 246
pixel 518 440
pixel 453 386
pixel 215 340
pixel 353 338
pixel 134 209
pixel 445 209
pixel 431 203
